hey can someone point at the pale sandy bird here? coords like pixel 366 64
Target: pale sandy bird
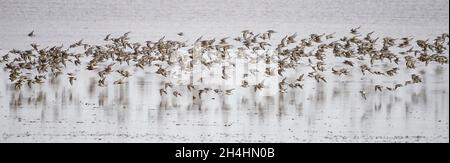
pixel 340 72
pixel 378 88
pixel 347 62
pixel 169 84
pixel 30 82
pixel 301 78
pixel 176 93
pixel 416 78
pixel 330 36
pixel 396 86
pixel 124 73
pixel 259 86
pixel 31 34
pixel 407 82
pixel 119 82
pixel 295 85
pixel 291 39
pixel 162 91
pixel 202 91
pixel 107 37
pixel 244 84
pixel 269 33
pixel 317 77
pixel 363 94
pixel 218 91
pixel 229 91
pixel 35 47
pixel 101 82
pixel 190 87
pixel 354 31
pixel 392 71
pixel 223 40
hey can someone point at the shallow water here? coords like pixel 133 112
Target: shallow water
pixel 135 112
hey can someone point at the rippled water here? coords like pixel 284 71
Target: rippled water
pixel 135 112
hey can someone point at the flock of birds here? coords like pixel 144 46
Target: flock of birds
pixel 357 52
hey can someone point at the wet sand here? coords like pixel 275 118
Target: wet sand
pixel 135 112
